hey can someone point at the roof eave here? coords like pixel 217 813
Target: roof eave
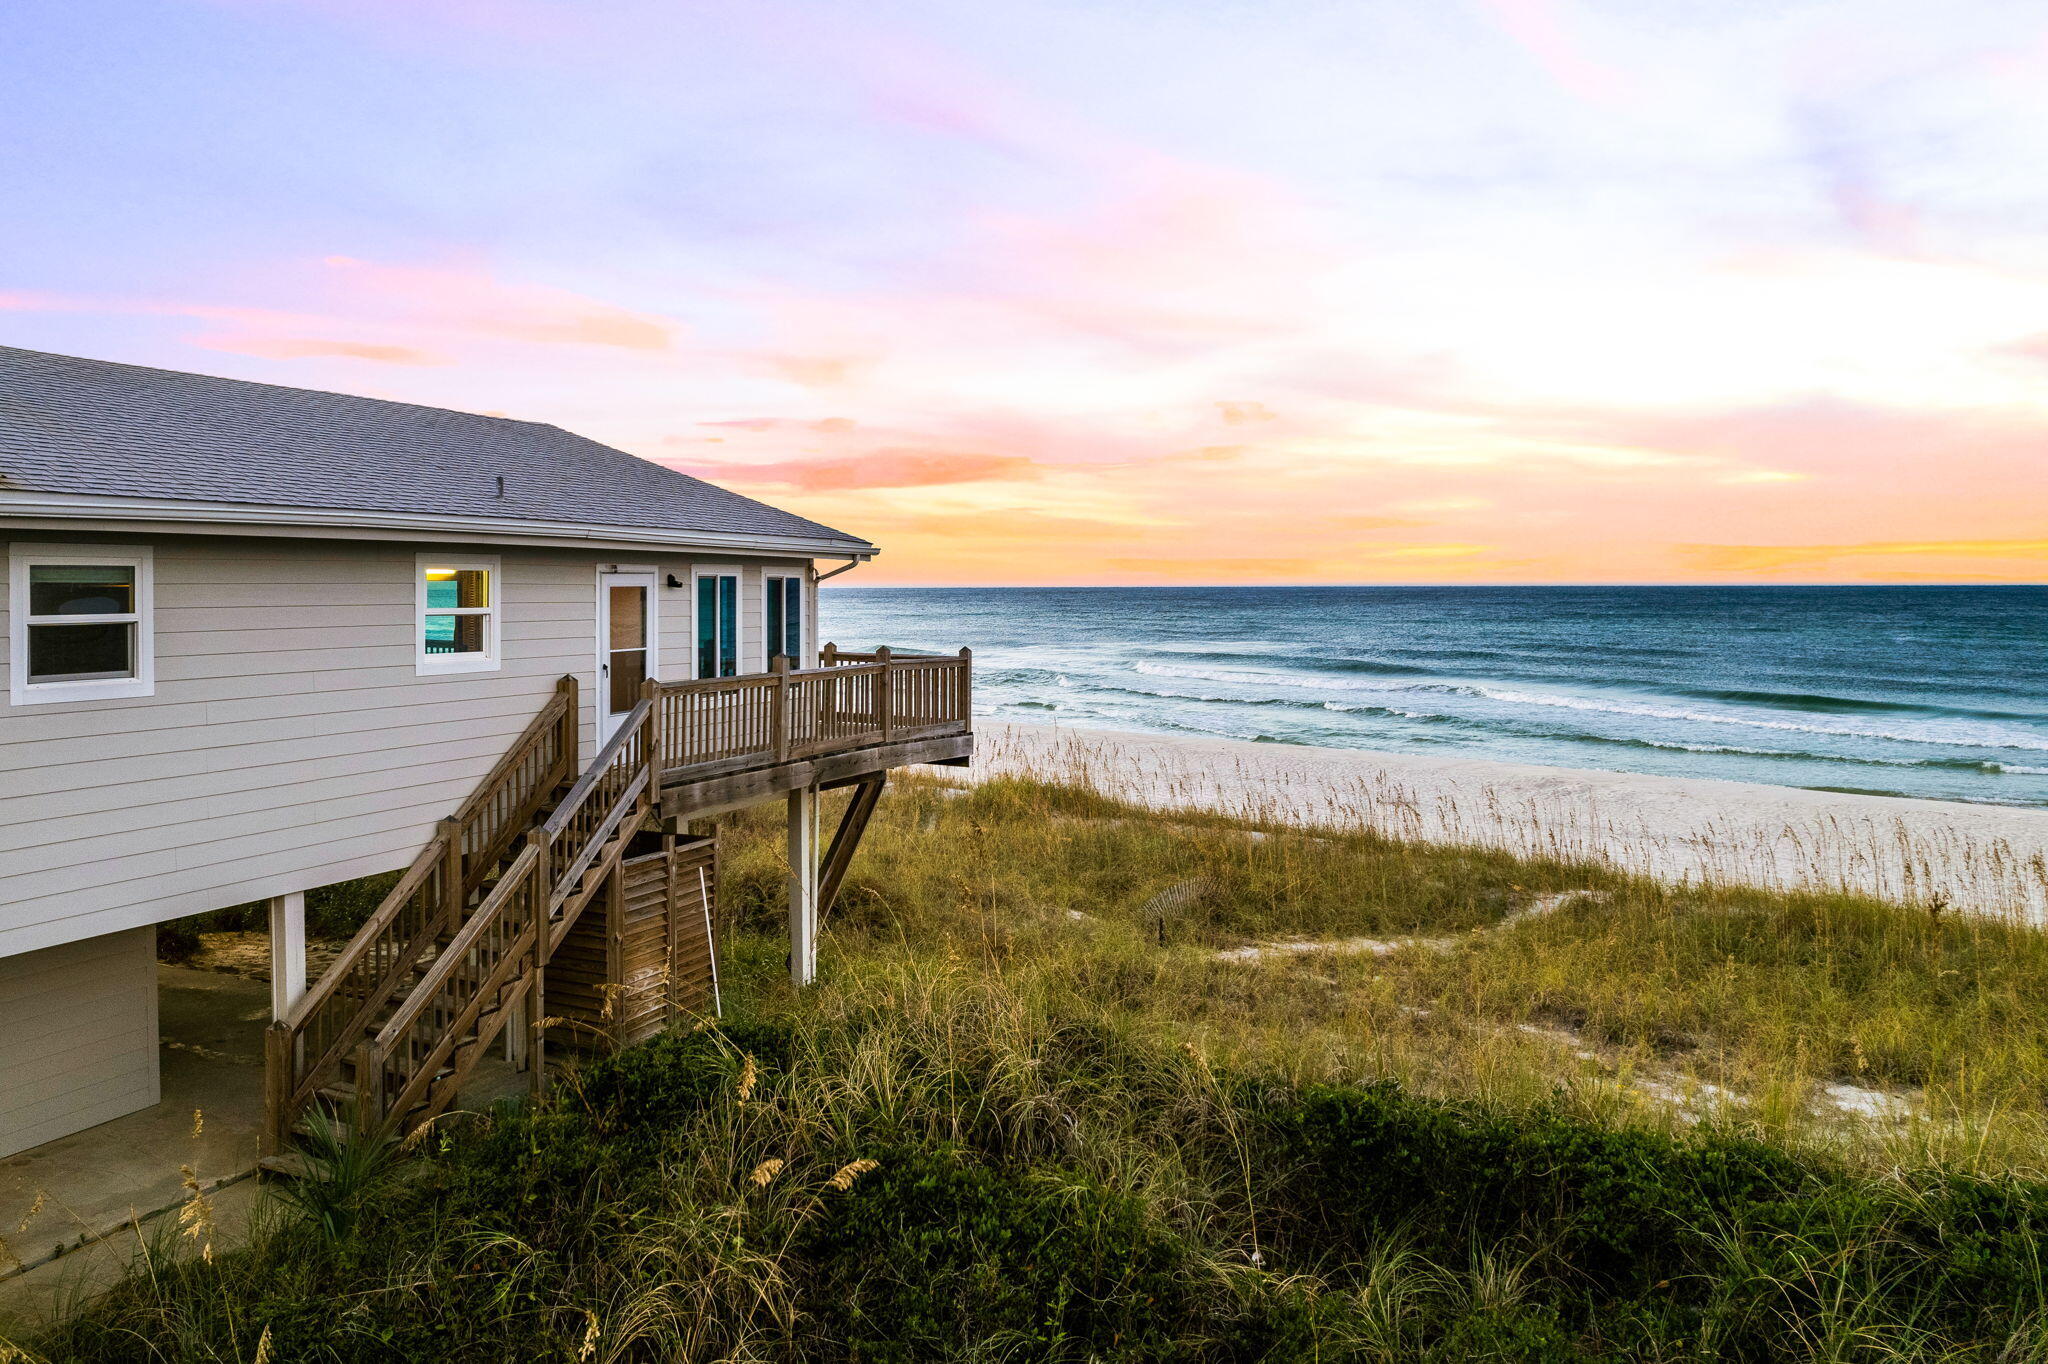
pixel 172 515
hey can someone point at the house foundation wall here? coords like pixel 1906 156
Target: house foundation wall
pixel 78 1036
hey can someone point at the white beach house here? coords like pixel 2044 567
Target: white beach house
pixel 262 639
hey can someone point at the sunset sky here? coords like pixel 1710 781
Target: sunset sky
pixel 1115 291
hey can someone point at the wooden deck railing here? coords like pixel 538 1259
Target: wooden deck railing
pixel 303 1050
pixel 728 723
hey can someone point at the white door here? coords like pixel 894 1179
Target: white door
pixel 626 645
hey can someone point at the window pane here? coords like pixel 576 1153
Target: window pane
pixel 728 626
pixel 707 627
pixel 775 631
pixel 448 587
pixel 77 590
pixel 80 653
pixel 629 669
pixel 455 634
pixel 628 617
pixel 793 617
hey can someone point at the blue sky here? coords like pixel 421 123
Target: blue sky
pixel 1475 290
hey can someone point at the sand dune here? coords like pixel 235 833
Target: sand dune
pixel 1977 859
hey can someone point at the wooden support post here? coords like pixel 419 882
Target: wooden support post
pixel 277 1089
pixel 537 994
pixel 669 917
pixel 828 657
pixel 803 886
pixel 846 840
pixel 966 685
pixel 287 952
pixel 611 994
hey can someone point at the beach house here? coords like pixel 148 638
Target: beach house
pixel 262 639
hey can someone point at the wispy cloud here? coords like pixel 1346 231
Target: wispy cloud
pixel 2029 554
pixel 311 347
pixel 877 469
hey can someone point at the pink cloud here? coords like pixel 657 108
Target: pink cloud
pixel 888 468
pixel 471 299
pixel 309 347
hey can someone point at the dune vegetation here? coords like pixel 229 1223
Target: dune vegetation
pixel 1084 1082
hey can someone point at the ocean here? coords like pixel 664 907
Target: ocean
pixel 1939 692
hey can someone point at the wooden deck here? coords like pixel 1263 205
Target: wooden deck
pixel 730 742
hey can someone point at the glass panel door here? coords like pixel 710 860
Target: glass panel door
pixel 718 625
pixel 785 598
pixel 626 644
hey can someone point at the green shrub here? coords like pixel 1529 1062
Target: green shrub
pixel 934 1253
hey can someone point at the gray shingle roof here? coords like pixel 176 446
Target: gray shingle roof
pixel 69 425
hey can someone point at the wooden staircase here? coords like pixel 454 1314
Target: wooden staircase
pixel 459 949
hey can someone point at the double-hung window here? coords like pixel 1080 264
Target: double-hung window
pixel 718 622
pixel 456 625
pixel 785 632
pixel 80 622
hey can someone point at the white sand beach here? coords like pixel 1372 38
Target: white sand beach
pixel 1978 859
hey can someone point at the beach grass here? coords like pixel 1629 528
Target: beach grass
pixel 1896 1034
pixel 1088 1081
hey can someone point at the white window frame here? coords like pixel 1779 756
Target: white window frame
pixel 492 658
pixel 20 556
pixel 739 606
pixel 770 577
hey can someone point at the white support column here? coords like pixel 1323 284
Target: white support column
pixel 803 886
pixel 287 952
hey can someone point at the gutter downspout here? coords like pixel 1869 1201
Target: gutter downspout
pixel 846 567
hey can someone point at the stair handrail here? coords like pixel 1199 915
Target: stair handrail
pixel 453 958
pixel 627 761
pixel 558 719
pixel 579 794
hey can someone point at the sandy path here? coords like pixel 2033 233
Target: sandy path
pixel 1981 859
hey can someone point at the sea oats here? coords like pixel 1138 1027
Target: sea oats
pixel 843 1179
pixel 765 1172
pixel 750 1074
pixel 196 1217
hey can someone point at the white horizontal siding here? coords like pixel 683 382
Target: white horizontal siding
pixel 77 1036
pixel 291 741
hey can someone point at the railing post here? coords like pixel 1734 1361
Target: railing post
pixel 278 1083
pixel 778 720
pixel 454 885
pixel 571 729
pixel 539 896
pixel 828 657
pixel 650 734
pixel 966 686
pixel 885 700
pixel 369 1088
pixel 543 860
